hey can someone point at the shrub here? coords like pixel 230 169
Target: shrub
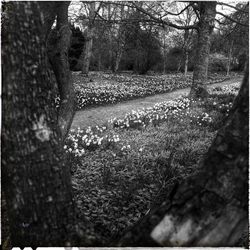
pixel 217 63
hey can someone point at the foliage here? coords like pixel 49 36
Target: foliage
pixel 235 35
pixel 217 62
pixel 76 47
pixel 174 59
pixel 142 50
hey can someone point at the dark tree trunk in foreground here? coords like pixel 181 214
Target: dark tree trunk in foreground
pixel 207 12
pixel 211 207
pixel 58 46
pixel 36 178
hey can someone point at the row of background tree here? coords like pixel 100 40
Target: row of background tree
pixel 119 37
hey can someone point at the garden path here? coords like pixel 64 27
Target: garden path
pixel 99 115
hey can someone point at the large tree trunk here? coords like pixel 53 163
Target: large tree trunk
pixel 58 46
pixel 179 65
pixel 110 40
pixel 186 63
pixel 230 57
pixel 58 43
pixel 209 208
pixel 36 178
pixel 207 12
pixel 164 53
pixel 118 59
pixel 99 61
pixel 186 48
pixel 120 43
pixel 84 60
pixel 49 9
pixel 87 51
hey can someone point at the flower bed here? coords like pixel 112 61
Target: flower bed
pixel 116 88
pixel 106 136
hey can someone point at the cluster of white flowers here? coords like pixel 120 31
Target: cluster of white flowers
pixel 116 88
pixel 115 138
pixel 206 118
pixel 75 151
pixel 232 89
pixel 78 141
pixel 125 147
pixel 226 106
pixel 159 112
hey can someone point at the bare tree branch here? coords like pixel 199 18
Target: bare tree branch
pixel 177 14
pixel 195 8
pixel 231 19
pixel 98 8
pixel 164 22
pixel 234 7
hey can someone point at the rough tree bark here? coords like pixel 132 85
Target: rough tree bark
pixel 138 50
pixel 207 12
pixel 118 59
pixel 36 180
pixel 87 51
pixel 186 51
pixel 99 62
pixel 58 44
pixel 120 42
pixel 230 57
pixel 164 53
pixel 209 208
pixel 84 60
pixel 186 54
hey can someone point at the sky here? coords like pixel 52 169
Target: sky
pixel 76 5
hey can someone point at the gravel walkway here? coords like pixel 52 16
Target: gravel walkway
pixel 99 115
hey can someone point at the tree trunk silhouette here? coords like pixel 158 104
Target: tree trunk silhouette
pixel 99 61
pixel 209 208
pixel 179 65
pixel 186 50
pixel 118 59
pixel 84 60
pixel 36 178
pixel 230 57
pixel 207 12
pixel 186 63
pixel 164 47
pixel 58 43
pixel 120 42
pixel 87 51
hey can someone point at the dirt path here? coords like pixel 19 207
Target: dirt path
pixel 99 115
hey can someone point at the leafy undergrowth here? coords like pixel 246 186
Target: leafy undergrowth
pixel 117 179
pixel 113 88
